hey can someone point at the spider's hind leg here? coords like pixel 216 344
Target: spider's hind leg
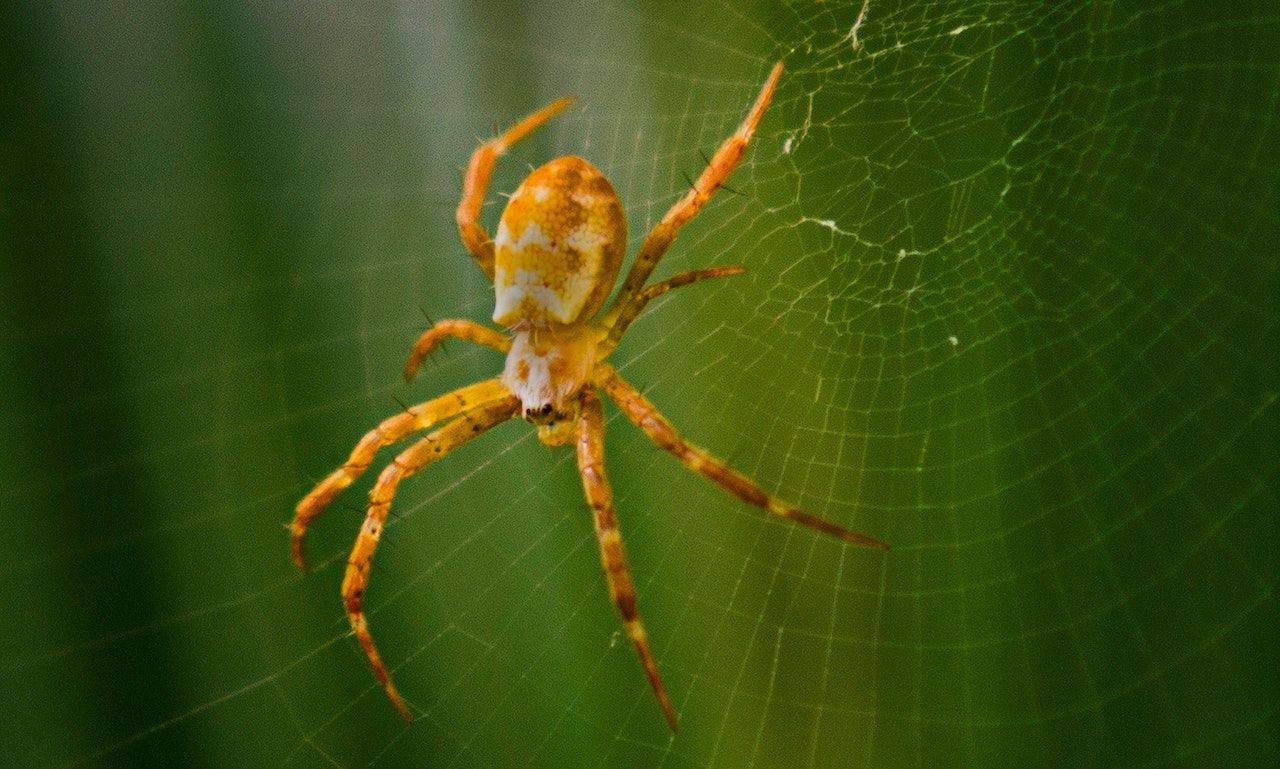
pixel 595 485
pixel 391 430
pixel 473 234
pixel 411 460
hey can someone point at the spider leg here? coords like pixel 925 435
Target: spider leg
pixel 474 236
pixel 718 170
pixel 595 486
pixel 658 289
pixel 389 431
pixel 466 330
pixel 431 448
pixel 647 417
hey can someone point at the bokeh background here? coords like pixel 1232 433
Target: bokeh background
pixel 1012 306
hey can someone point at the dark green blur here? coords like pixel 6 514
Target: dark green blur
pixel 1011 306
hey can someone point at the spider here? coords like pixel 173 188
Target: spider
pixel 553 262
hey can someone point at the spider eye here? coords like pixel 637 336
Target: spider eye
pixel 538 414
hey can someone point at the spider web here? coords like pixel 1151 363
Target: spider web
pixel 1009 307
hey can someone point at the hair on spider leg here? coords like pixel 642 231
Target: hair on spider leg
pixel 440 346
pixel 731 190
pixel 361 511
pixel 722 185
pixel 402 404
pixel 643 389
pixel 392 514
pixel 687 179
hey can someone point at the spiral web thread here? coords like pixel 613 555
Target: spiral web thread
pixel 1006 307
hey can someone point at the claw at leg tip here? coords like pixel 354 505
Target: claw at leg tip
pixel 299 556
pixel 671 721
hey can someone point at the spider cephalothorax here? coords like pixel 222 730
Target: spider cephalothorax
pixel 546 368
pixel 553 263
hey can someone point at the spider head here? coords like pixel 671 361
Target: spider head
pixel 546 414
pixel 555 427
pixel 558 246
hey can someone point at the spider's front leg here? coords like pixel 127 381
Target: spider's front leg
pixel 717 172
pixel 411 460
pixel 646 416
pixel 474 236
pixel 595 485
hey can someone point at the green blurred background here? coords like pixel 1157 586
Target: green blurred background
pixel 1012 307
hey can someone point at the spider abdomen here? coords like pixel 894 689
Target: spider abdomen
pixel 558 246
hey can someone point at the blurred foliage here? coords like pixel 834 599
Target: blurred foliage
pixel 1012 306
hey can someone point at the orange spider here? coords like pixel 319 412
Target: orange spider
pixel 559 246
